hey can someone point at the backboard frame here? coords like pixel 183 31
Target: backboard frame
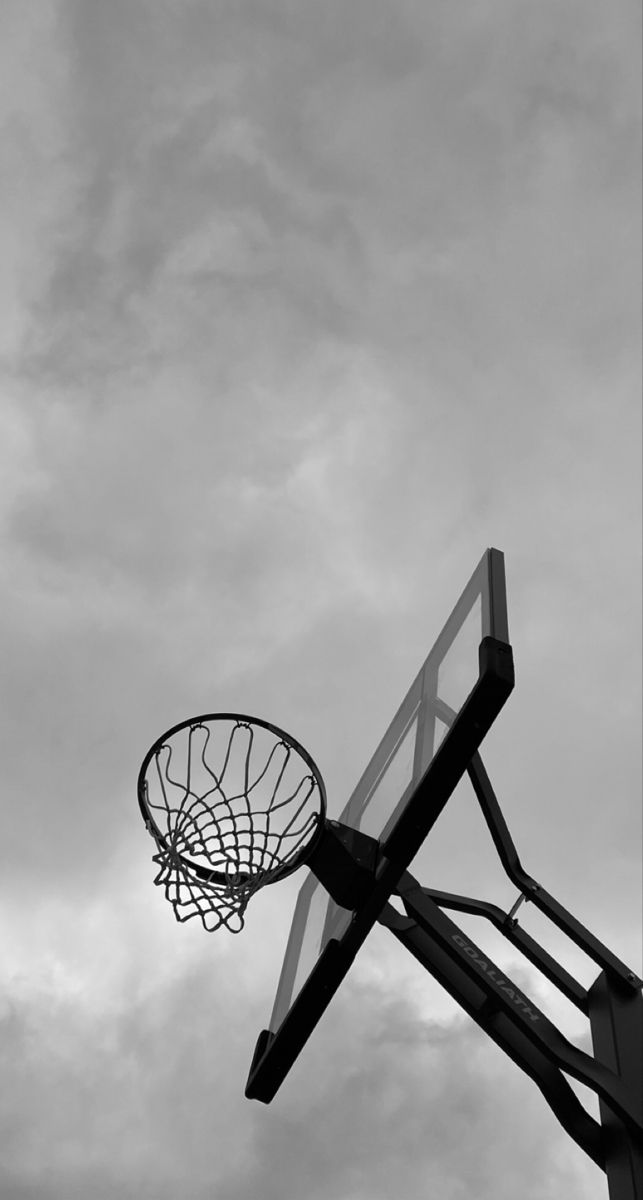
pixel 415 813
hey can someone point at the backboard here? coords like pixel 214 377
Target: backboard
pixel 447 711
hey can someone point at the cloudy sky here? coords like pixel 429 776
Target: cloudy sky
pixel 303 306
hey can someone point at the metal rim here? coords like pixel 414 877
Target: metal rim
pixel 214 877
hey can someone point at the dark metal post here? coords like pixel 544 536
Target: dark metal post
pixel 616 1016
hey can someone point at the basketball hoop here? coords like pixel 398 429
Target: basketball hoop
pixel 232 803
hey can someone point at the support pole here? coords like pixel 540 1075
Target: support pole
pixel 616 1016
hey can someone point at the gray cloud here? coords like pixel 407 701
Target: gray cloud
pixel 139 1102
pixel 303 308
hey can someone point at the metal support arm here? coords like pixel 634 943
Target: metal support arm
pixel 478 1001
pixel 505 997
pixel 535 892
pixel 523 941
pixel 529 1037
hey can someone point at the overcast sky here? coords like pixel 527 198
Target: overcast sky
pixel 304 304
